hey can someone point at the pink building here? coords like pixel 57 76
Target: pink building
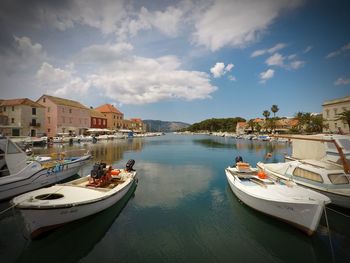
pixel 64 116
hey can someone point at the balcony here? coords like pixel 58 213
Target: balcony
pixel 31 124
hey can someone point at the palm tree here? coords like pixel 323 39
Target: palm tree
pixel 274 109
pixel 266 114
pixel 345 116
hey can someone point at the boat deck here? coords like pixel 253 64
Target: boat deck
pixel 84 183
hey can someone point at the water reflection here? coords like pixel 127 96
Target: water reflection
pixel 168 185
pixel 268 236
pixel 250 150
pixel 109 151
pixel 74 240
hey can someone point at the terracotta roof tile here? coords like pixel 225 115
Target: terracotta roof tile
pixel 95 113
pixel 108 108
pixel 21 101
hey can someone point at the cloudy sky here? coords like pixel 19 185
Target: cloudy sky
pixel 185 60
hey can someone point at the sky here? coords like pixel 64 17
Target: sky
pixel 186 60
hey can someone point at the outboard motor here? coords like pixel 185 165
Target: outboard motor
pixel 129 165
pixel 97 171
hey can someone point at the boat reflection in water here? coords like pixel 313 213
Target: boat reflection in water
pixel 75 240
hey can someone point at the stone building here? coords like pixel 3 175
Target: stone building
pixel 331 111
pixel 22 117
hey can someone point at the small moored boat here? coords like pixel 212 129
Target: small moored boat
pixel 48 208
pixel 20 174
pixel 295 205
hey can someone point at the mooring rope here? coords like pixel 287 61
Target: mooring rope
pixel 329 232
pixel 340 213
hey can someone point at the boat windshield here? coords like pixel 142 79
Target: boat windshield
pixel 338 178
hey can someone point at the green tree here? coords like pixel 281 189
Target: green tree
pixel 274 109
pixel 251 125
pixel 266 114
pixel 345 116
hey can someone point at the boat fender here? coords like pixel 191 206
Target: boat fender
pixel 262 175
pixel 115 172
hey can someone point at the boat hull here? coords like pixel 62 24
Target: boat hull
pixel 41 178
pixel 41 218
pixel 338 199
pixel 303 215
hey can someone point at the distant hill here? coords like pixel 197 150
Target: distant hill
pixel 164 126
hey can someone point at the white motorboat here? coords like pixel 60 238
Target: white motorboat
pixel 288 202
pixel 326 178
pixel 320 163
pixel 48 208
pixel 18 174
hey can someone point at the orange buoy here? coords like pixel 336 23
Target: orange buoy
pixel 115 172
pixel 262 175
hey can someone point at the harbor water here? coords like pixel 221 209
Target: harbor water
pixel 181 210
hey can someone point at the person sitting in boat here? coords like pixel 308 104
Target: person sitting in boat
pixel 238 159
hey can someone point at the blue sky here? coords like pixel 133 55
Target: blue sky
pixel 183 60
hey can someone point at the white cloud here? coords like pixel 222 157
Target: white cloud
pixel 23 56
pixel 237 23
pixel 307 49
pixel 293 56
pixel 341 81
pixel 105 53
pixel 104 15
pixel 275 60
pixel 139 80
pixel 339 51
pixel 219 69
pixel 296 64
pixel 61 82
pixel 257 53
pixel 274 49
pixel 232 78
pixel 268 74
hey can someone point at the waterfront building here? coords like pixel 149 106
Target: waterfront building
pixel 64 116
pixel 114 117
pixel 137 125
pixel 21 117
pixel 284 125
pixel 240 127
pixel 331 111
pixel 98 120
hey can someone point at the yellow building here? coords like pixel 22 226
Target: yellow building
pixel 331 111
pixel 113 115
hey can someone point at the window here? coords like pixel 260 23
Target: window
pixel 11 148
pixel 44 99
pixel 13 108
pixel 33 122
pixel 299 172
pixel 94 121
pixel 70 110
pixel 12 120
pixel 99 121
pixel 48 130
pixel 33 111
pixel 338 179
pixel 4 108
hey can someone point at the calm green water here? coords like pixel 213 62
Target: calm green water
pixel 182 210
